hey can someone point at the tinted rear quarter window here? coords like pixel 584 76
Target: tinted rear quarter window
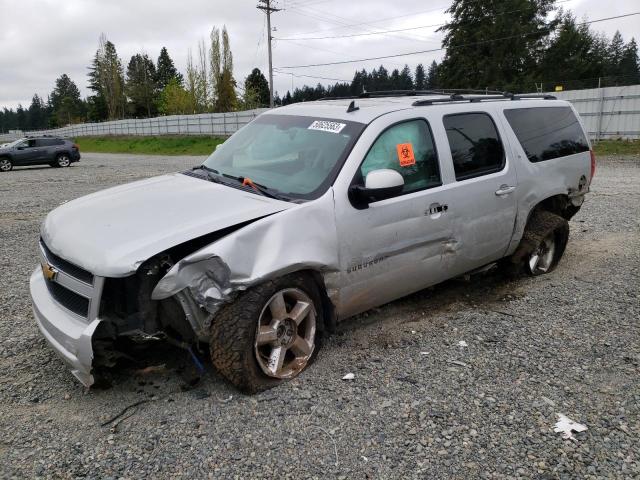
pixel 475 145
pixel 546 133
pixel 48 142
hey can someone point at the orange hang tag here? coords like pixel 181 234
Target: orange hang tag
pixel 405 154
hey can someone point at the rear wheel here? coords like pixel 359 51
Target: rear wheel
pixel 269 334
pixel 5 164
pixel 63 160
pixel 542 245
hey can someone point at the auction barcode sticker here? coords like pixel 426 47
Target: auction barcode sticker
pixel 326 126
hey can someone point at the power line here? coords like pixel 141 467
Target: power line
pixel 311 76
pixel 381 20
pixel 363 34
pixel 383 57
pixel 329 17
pixel 382 32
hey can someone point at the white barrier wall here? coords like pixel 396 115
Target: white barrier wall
pixel 610 112
pixel 198 124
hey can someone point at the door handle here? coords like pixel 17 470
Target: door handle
pixel 436 208
pixel 505 190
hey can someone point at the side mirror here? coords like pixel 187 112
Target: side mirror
pixel 379 185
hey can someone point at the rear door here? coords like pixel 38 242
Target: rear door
pixel 45 149
pixel 484 207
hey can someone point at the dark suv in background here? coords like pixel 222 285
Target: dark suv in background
pixel 56 152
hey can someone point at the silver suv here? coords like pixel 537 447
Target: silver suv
pixel 311 214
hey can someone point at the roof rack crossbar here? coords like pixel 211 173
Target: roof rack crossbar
pixel 481 98
pixel 410 93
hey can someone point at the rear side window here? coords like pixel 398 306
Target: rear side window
pixel 547 132
pixel 407 148
pixel 476 147
pixel 48 142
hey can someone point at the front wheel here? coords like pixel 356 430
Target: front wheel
pixel 62 160
pixel 269 334
pixel 5 164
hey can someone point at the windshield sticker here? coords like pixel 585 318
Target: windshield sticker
pixel 405 154
pixel 325 126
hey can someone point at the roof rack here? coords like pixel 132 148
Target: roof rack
pixel 411 93
pixel 479 98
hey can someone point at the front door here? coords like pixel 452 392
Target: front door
pixel 398 245
pixel 26 153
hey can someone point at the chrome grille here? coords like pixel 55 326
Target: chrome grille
pixel 73 288
pixel 68 267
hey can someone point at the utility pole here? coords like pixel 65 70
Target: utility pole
pixel 266 6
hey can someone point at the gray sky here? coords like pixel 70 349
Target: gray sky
pixel 41 39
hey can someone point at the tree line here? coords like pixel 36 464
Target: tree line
pixel 562 53
pixel 503 45
pixel 144 88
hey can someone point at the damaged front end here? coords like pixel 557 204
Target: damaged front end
pixel 175 294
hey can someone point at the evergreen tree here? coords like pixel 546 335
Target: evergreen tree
pixel 572 53
pixel 106 79
pixel 257 87
pixel 432 81
pixel 629 64
pixel 394 80
pixel 166 70
pixel 37 114
pixel 616 52
pixel 96 103
pixel 358 85
pixel 141 86
pixel 486 47
pixel 420 77
pixel 405 81
pixel 21 118
pixel 65 101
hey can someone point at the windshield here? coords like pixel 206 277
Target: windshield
pixel 296 156
pixel 15 142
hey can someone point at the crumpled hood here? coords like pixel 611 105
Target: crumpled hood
pixel 111 232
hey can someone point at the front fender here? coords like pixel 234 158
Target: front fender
pixel 303 237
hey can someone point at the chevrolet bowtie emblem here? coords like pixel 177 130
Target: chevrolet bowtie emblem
pixel 48 271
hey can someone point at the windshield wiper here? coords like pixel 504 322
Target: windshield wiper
pixel 265 191
pixel 211 173
pixel 214 175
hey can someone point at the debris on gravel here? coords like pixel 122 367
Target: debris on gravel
pixel 422 405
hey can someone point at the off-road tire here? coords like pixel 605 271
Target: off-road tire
pixel 541 225
pixel 233 332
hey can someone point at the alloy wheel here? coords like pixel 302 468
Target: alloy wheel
pixel 5 165
pixel 63 161
pixel 541 259
pixel 285 337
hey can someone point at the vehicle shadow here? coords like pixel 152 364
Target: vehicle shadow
pixel 160 361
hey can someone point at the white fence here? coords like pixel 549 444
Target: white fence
pixel 611 112
pixel 199 124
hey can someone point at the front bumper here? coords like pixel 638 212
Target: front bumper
pixel 70 337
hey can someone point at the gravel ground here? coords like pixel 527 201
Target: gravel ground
pixel 420 405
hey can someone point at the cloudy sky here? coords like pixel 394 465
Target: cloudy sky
pixel 41 39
